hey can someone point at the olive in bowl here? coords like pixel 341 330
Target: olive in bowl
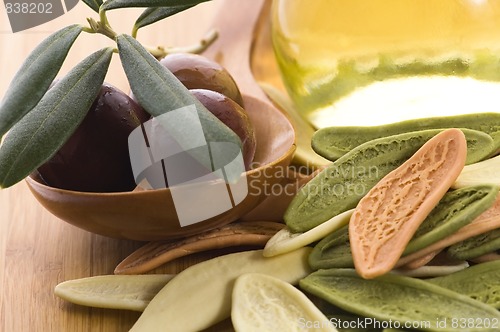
pixel 96 158
pixel 233 116
pixel 149 215
pixel 198 72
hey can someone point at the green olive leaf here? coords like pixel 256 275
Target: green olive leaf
pixel 155 14
pixel 35 76
pixel 94 4
pixel 159 92
pixel 114 4
pixel 38 135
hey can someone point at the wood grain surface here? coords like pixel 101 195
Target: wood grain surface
pixel 37 250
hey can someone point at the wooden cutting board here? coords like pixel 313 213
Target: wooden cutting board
pixel 37 250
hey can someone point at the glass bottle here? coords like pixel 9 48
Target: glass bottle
pixel 369 62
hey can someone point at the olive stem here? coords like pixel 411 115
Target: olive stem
pixel 135 29
pixel 88 30
pixel 100 27
pixel 160 52
pixel 203 44
pixel 102 17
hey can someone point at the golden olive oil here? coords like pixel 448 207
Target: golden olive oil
pixel 359 62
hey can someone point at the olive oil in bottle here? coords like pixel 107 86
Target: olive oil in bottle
pixel 358 62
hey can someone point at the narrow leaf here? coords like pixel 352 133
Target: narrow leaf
pixel 38 135
pixel 94 4
pixel 159 92
pixel 155 14
pixel 35 76
pixel 114 4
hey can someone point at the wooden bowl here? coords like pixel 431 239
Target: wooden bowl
pixel 148 215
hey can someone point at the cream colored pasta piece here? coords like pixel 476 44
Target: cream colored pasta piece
pixel 285 240
pixel 267 304
pixel 483 172
pixel 200 296
pixel 113 292
pixel 432 270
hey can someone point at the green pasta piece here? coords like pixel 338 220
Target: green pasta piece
pixel 455 210
pixel 397 298
pixel 476 246
pixel 480 282
pixel 333 142
pixel 340 186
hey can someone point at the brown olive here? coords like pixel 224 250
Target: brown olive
pixel 233 116
pixel 96 157
pixel 198 72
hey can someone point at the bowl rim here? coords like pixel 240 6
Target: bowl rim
pixel 34 179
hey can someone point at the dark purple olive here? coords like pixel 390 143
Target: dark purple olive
pixel 198 72
pixel 233 116
pixel 96 157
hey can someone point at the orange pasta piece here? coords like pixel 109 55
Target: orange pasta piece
pixel 387 217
